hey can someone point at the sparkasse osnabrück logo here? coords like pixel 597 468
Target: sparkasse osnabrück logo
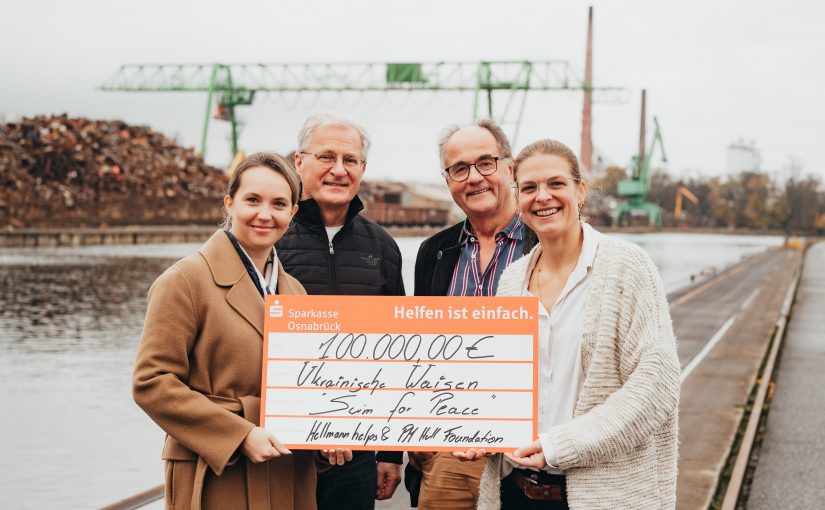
pixel 276 310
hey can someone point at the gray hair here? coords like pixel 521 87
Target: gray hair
pixel 331 119
pixel 488 124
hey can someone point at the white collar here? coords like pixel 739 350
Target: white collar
pixel 269 279
pixel 590 244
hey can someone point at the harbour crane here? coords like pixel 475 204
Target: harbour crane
pixel 637 187
pixel 234 85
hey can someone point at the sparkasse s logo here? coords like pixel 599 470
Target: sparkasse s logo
pixel 276 310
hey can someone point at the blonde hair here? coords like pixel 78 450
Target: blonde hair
pixel 274 162
pixel 550 148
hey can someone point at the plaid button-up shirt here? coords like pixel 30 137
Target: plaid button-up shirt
pixel 468 279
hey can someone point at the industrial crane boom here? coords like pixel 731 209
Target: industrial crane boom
pixel 682 191
pixel 237 84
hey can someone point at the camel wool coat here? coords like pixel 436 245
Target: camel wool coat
pixel 198 376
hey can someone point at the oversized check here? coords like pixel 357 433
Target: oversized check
pixel 401 373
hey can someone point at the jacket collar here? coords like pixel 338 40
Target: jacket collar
pixel 222 259
pixel 513 230
pixel 285 284
pixel 310 213
pixel 228 271
pixel 530 239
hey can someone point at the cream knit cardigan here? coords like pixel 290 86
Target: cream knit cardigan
pixel 620 449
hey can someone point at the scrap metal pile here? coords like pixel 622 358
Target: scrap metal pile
pixel 57 171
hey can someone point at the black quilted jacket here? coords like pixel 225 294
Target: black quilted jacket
pixel 362 259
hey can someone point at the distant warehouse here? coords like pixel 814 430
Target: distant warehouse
pixel 396 204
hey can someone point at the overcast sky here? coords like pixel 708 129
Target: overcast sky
pixel 716 71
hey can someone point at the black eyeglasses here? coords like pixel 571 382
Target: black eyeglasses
pixel 557 184
pixel 461 171
pixel 329 158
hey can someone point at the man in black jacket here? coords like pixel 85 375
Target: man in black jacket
pixel 331 249
pixel 467 259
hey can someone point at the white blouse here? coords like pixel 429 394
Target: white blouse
pixel 269 279
pixel 560 339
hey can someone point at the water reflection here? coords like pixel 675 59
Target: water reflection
pixel 69 326
pixel 679 256
pixel 56 307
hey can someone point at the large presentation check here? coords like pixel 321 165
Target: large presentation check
pixel 401 373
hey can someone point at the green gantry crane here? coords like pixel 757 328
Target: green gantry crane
pixel 233 85
pixel 637 187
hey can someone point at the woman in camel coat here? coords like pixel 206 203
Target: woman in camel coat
pixel 198 369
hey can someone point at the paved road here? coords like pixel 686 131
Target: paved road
pixel 738 311
pixel 791 469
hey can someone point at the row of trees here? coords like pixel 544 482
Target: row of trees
pixel 747 200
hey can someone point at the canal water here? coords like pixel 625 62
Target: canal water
pixel 70 318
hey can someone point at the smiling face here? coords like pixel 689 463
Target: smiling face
pixel 260 210
pixel 479 195
pixel 331 185
pixel 552 209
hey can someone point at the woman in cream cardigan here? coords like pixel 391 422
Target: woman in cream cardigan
pixel 608 369
pixel 198 369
